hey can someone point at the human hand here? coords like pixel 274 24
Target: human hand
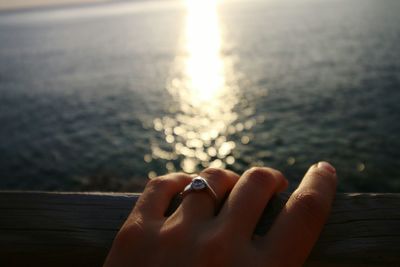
pixel 195 236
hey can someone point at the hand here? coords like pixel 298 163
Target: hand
pixel 195 236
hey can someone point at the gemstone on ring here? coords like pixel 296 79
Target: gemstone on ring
pixel 198 184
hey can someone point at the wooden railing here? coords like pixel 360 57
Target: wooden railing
pixel 77 229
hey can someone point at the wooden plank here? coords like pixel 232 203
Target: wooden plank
pixel 64 229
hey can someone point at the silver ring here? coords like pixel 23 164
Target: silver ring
pixel 200 184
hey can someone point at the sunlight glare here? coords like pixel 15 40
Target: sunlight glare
pixel 205 93
pixel 204 66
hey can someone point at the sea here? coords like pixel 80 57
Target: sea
pixel 104 97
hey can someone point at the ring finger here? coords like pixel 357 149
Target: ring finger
pixel 200 205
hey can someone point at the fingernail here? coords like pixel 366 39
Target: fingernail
pixel 326 166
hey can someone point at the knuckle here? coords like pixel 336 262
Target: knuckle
pixel 312 205
pixel 214 172
pixel 158 183
pixel 183 175
pixel 261 176
pixel 166 181
pixel 179 175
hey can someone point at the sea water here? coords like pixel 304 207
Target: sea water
pixel 101 97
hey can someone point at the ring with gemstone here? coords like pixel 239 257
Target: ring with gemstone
pixel 200 184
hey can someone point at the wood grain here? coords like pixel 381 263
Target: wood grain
pixel 77 229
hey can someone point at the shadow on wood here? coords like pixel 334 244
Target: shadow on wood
pixel 77 229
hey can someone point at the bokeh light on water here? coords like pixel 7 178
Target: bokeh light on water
pixel 205 93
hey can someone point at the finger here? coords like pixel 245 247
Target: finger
pixel 299 224
pixel 159 191
pixel 248 198
pixel 197 206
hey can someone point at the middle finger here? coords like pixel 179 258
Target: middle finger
pixel 245 204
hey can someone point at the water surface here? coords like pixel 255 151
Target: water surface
pixel 101 97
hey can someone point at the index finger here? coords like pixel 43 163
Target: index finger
pixel 300 222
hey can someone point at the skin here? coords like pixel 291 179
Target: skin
pixel 195 235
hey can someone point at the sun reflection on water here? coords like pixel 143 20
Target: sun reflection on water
pixel 205 93
pixel 204 65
